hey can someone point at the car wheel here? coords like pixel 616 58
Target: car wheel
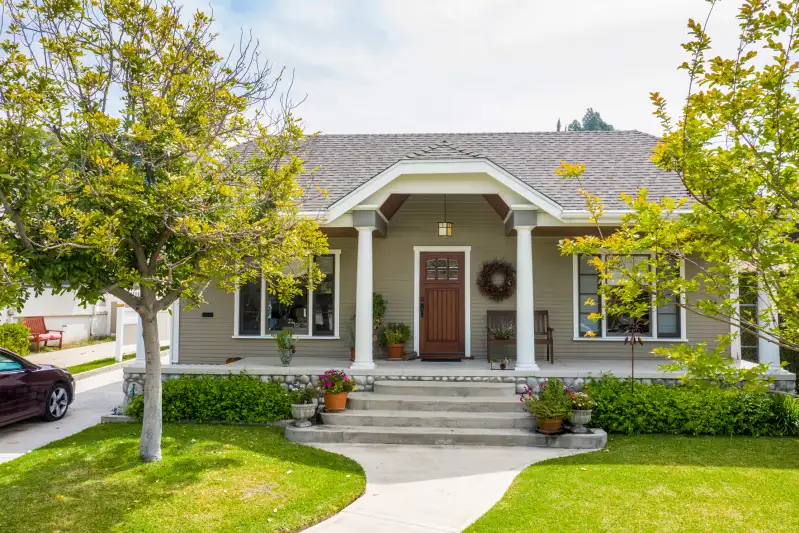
pixel 57 403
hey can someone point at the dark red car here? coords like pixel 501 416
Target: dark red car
pixel 28 390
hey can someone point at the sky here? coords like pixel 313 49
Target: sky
pixel 398 66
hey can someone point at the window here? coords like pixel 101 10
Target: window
pixel 9 365
pixel 441 269
pixel 662 322
pixel 747 309
pixel 313 313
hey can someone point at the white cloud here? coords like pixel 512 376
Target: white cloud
pixel 458 65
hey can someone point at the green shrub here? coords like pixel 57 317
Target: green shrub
pixel 232 398
pixel 690 410
pixel 15 337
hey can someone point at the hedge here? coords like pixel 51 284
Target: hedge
pixel 690 410
pixel 232 398
pixel 16 338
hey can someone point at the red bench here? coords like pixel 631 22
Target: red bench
pixel 40 333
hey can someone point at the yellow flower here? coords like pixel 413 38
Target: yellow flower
pixel 589 302
pixel 589 334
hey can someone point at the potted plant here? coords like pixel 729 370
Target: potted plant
pixel 286 346
pixel 336 385
pixel 502 341
pixel 550 405
pixel 303 405
pixel 582 404
pixel 396 335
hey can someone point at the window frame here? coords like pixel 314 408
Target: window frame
pixel 602 335
pixel 310 302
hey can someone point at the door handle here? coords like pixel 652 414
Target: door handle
pixel 421 308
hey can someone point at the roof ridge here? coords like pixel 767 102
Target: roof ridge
pixel 440 146
pixel 489 132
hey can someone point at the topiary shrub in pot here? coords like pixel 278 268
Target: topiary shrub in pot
pixel 551 405
pixel 582 405
pixel 396 334
pixel 303 405
pixel 336 385
pixel 286 346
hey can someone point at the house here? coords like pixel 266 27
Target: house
pixel 388 196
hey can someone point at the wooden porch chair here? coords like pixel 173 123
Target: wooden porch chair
pixel 495 319
pixel 40 333
pixel 544 334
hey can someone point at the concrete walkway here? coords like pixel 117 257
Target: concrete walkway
pixel 96 396
pixel 421 489
pixel 74 356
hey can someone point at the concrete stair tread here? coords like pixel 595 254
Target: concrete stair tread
pixel 429 414
pixel 446 384
pixel 433 399
pixel 415 430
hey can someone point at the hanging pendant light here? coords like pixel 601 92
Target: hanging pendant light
pixel 445 228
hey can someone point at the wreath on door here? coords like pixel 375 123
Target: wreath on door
pixel 497 280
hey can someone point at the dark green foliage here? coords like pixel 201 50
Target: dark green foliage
pixel 690 410
pixel 592 121
pixel 15 337
pixel 304 396
pixel 232 398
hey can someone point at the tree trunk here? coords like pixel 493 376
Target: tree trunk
pixel 150 445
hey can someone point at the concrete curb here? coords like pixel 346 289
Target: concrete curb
pixel 117 419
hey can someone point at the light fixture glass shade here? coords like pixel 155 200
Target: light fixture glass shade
pixel 445 229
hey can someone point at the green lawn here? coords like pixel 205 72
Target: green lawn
pixel 98 363
pixel 657 483
pixel 213 478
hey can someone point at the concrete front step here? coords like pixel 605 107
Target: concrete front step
pixel 436 419
pixel 444 388
pixel 427 436
pixel 392 402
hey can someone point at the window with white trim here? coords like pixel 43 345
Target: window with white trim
pixel 311 314
pixel 747 309
pixel 663 322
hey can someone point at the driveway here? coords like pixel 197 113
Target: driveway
pixel 96 396
pixel 427 489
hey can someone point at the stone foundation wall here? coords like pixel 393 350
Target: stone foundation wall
pixel 133 382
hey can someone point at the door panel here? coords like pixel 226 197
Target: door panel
pixel 441 321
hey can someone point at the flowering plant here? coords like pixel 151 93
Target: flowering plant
pixel 336 382
pixel 553 401
pixel 582 401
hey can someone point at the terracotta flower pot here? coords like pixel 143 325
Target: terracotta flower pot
pixel 550 426
pixel 335 403
pixel 395 351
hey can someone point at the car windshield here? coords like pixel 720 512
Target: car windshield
pixel 9 365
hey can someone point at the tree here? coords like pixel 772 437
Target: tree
pixel 144 164
pixel 592 121
pixel 734 147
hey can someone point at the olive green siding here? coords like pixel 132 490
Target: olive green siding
pixel 475 224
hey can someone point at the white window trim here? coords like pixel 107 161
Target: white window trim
pixel 337 306
pixel 467 295
pixel 604 338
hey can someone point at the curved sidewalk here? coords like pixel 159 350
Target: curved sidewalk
pixel 423 489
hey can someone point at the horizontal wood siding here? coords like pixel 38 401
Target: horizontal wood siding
pixel 210 340
pixel 475 224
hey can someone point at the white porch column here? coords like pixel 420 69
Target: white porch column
pixel 767 351
pixel 363 302
pixel 525 334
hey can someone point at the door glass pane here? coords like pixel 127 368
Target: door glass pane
pixel 443 273
pixel 453 272
pixel 430 269
pixel 442 263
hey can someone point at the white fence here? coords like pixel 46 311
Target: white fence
pixel 128 332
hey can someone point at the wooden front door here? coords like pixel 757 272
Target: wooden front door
pixel 441 306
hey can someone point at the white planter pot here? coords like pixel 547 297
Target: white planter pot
pixel 302 412
pixel 580 418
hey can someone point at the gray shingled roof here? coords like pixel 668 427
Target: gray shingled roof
pixel 616 161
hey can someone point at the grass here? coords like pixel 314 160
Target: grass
pixel 212 478
pixel 657 483
pixel 98 363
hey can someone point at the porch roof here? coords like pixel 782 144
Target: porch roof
pixel 616 161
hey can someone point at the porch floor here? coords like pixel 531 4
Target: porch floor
pixel 567 367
